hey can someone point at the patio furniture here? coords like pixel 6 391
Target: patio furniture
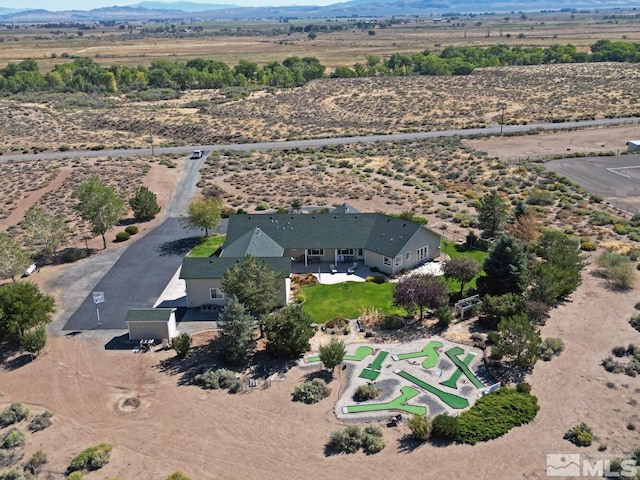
pixel 352 268
pixel 147 344
pixel 333 269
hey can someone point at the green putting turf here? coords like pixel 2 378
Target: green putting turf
pixel 429 351
pixel 361 353
pixel 453 401
pixel 377 363
pixel 369 374
pixel 453 353
pixel 407 393
pixel 453 381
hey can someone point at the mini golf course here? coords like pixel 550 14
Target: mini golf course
pixel 420 375
pixel 399 403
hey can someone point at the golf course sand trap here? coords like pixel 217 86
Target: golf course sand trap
pixel 427 376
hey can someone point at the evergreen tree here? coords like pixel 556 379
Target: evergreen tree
pixel 236 342
pixel 517 337
pixel 288 331
pixel 144 204
pixel 492 214
pixel 505 268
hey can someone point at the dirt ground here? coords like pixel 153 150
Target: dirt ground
pixel 158 425
pixel 217 435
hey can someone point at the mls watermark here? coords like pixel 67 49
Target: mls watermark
pixel 591 465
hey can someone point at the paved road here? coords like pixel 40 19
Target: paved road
pixel 142 272
pixel 319 142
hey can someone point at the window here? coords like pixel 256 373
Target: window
pixel 345 251
pixel 407 256
pixel 216 294
pixel 386 261
pixel 316 251
pixel 422 253
pixel 398 260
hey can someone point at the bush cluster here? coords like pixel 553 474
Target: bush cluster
pixel 352 439
pixel 14 413
pixel 218 379
pixel 365 392
pixel 634 321
pixel 379 279
pixel 631 368
pixel 492 416
pixel 12 439
pixel 15 473
pixel 580 435
pixel 311 392
pixel 420 426
pixel 122 236
pixel 181 344
pixel 91 458
pixel 617 268
pixel 41 421
pixel 35 463
pixel 551 347
pixel 131 230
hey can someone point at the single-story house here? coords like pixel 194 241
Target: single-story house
pixel 151 323
pixel 343 236
pixel 633 145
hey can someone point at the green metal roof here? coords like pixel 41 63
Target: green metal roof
pixel 214 267
pixel 372 231
pixel 256 243
pixel 149 314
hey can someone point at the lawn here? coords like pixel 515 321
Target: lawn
pixel 347 299
pixel 208 246
pixel 455 250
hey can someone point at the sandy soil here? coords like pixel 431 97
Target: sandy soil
pixel 261 434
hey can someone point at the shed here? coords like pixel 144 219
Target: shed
pixel 147 323
pixel 633 145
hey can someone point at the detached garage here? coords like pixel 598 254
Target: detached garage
pixel 633 145
pixel 147 323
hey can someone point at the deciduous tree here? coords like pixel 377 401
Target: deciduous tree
pixel 13 258
pixel 420 291
pixel 332 354
pixel 492 214
pixel 34 340
pixel 236 342
pixel 144 204
pixel 45 232
pixel 23 307
pixel 288 331
pixel 204 213
pixel 461 269
pixel 99 205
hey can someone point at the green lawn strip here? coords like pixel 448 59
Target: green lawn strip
pixel 360 354
pixel 377 363
pixel 453 401
pixel 453 353
pixel 208 246
pixel 453 381
pixel 407 393
pixel 347 300
pixel 429 351
pixel 370 375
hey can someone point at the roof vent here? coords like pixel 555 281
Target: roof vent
pixel 249 218
pixel 313 216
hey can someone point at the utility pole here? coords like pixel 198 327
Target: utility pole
pixel 501 117
pixel 151 141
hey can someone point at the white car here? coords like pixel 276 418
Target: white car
pixel 197 154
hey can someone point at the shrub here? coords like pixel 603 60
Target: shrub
pixel 92 458
pixel 588 246
pixel 13 438
pixel 551 347
pixel 351 439
pixel 495 414
pixel 420 427
pixel 391 322
pixel 16 473
pixel 37 460
pixel 580 435
pixel 376 279
pixel 619 351
pixel 634 321
pixel 75 476
pixel 365 392
pixel 445 316
pixel 178 476
pixel 311 392
pixel 14 413
pixel 444 426
pixel 181 344
pixel 41 421
pixel 122 236
pixel 221 378
pixel 617 269
pixel 131 230
pixel 523 387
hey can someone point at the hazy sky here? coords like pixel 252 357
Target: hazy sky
pixel 89 4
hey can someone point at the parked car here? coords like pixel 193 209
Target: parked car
pixel 197 154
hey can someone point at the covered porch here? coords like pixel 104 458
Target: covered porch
pixel 322 271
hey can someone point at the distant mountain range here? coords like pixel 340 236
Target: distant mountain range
pixel 156 10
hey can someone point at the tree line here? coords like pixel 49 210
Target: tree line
pixel 85 75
